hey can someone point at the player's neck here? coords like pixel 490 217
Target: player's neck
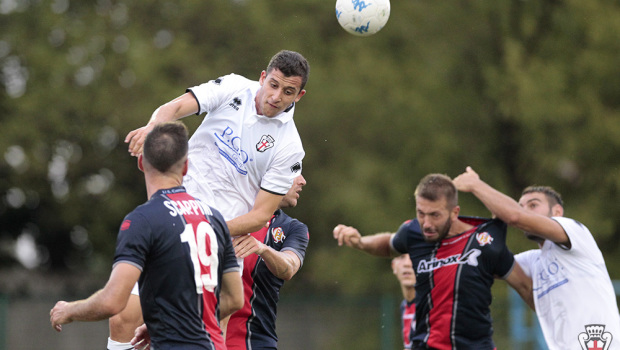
pixel 155 183
pixel 459 227
pixel 408 292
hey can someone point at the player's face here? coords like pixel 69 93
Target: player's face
pixel 277 92
pixel 535 202
pixel 291 197
pixel 434 217
pixel 401 265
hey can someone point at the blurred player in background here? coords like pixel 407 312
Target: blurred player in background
pixel 455 259
pixel 171 244
pixel 572 288
pixel 272 256
pixel 245 154
pixel 403 270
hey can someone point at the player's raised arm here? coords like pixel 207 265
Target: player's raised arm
pixel 509 211
pixel 180 107
pixel 377 244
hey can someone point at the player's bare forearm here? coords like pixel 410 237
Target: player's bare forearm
pixel 231 295
pixel 283 265
pixel 378 244
pixel 522 284
pixel 178 108
pixel 264 206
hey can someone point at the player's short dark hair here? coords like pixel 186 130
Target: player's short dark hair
pixel 553 197
pixel 435 186
pixel 291 64
pixel 166 145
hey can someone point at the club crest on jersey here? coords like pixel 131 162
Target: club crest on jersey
pixel 265 143
pixel 469 258
pixel 125 225
pixel 484 238
pixel 236 102
pixel 595 337
pixel 278 235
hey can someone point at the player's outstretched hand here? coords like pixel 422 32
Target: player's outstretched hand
pixel 246 245
pixel 467 180
pixel 141 339
pixel 348 236
pixel 136 138
pixel 59 315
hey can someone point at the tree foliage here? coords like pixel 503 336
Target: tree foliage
pixel 525 92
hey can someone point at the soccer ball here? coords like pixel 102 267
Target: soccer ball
pixel 362 17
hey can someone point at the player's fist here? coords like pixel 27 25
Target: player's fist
pixel 467 180
pixel 348 236
pixel 136 138
pixel 59 315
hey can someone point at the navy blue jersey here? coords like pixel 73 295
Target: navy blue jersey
pixel 453 283
pixel 254 326
pixel 182 248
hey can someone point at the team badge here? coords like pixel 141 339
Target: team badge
pixel 484 238
pixel 265 143
pixel 278 234
pixel 595 338
pixel 125 225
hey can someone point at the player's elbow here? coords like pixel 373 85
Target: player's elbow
pixel 512 218
pixel 108 310
pixel 237 302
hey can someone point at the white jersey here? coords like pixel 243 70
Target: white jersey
pixel 572 291
pixel 235 152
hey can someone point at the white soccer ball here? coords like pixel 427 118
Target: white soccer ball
pixel 362 17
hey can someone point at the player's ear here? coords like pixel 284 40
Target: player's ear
pixel 185 166
pixel 299 95
pixel 263 75
pixel 557 210
pixel 140 166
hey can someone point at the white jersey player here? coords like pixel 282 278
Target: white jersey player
pixel 245 155
pixel 573 293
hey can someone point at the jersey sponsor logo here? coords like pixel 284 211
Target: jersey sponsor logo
pixel 236 102
pixel 296 167
pixel 484 238
pixel 278 235
pixel 188 207
pixel 549 278
pixel 265 143
pixel 469 258
pixel 229 145
pixel 595 337
pixel 125 225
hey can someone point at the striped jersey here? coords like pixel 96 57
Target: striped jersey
pixel 453 283
pixel 254 326
pixel 182 248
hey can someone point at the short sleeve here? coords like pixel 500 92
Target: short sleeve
pixel 526 259
pixel 133 241
pixel 399 239
pixel 215 93
pixel 297 239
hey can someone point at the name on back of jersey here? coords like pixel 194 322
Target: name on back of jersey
pixel 187 207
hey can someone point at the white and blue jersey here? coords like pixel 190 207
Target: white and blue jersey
pixel 182 248
pixel 235 152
